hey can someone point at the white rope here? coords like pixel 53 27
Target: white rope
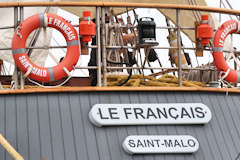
pixel 225 83
pixel 34 82
pixel 18 29
pixel 67 72
pixel 225 74
pixel 61 84
pixel 236 60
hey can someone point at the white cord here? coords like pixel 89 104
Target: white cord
pixel 34 82
pixel 225 83
pixel 225 74
pixel 65 81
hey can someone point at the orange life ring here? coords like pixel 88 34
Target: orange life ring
pixel 224 30
pixel 23 61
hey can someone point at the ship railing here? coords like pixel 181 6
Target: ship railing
pixel 101 44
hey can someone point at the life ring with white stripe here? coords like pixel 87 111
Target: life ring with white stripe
pixel 223 31
pixel 22 59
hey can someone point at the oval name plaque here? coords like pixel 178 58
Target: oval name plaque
pixel 149 114
pixel 160 144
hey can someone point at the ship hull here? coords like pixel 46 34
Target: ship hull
pixel 56 126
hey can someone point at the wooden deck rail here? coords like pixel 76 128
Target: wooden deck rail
pixel 120 4
pixel 118 89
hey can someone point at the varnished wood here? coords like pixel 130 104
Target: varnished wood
pixel 10 149
pixel 118 89
pixel 120 4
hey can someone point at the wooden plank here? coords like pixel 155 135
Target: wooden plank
pixel 44 127
pixel 78 127
pixel 33 127
pixel 67 128
pixel 56 127
pixel 120 132
pixel 2 124
pixel 11 124
pixel 91 138
pixel 215 138
pixel 22 126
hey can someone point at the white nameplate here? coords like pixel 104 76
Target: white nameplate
pixel 149 114
pixel 160 144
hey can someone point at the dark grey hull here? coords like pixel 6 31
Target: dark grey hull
pixel 56 126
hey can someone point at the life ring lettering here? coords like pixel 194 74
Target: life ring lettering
pixel 229 27
pixel 34 70
pixel 63 26
pixel 25 64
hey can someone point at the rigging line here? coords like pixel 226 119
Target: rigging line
pixel 194 13
pixel 135 37
pixel 220 15
pixel 197 12
pixel 62 49
pixel 37 33
pixel 224 6
pixel 195 55
pixel 130 72
pixel 230 16
pixel 230 6
pixel 198 19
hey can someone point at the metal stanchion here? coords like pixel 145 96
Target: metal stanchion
pixel 99 81
pixel 179 48
pixel 21 17
pixel 104 59
pixel 15 73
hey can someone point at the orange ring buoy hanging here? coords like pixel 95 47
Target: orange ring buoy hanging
pixel 224 30
pixel 24 63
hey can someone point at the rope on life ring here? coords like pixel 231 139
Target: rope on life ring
pixel 23 61
pixel 223 31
